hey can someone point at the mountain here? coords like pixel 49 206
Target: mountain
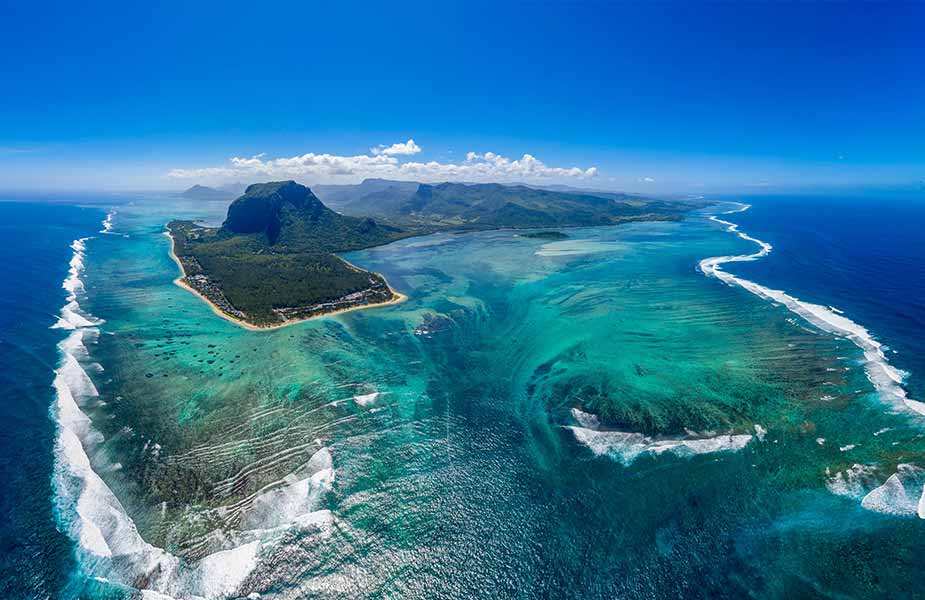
pixel 201 192
pixel 357 199
pixel 288 216
pixel 491 205
pixel 425 207
pixel 236 189
pixel 273 260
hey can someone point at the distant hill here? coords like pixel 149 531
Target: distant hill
pixel 237 188
pixel 491 205
pixel 356 199
pixel 201 192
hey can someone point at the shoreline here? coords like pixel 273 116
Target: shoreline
pixel 397 298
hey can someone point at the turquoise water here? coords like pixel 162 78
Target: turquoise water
pixel 584 418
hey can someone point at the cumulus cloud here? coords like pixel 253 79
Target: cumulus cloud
pixel 399 149
pixel 383 161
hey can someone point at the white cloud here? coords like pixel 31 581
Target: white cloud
pixel 383 162
pixel 399 149
pixel 646 180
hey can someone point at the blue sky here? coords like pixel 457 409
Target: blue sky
pixel 661 97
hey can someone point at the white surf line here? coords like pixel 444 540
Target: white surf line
pixel 886 378
pixel 108 221
pixel 108 545
pixel 625 447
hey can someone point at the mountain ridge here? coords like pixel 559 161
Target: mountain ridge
pixel 274 258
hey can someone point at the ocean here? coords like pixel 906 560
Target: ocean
pixel 725 406
pixel 36 557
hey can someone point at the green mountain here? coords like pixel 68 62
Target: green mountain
pixel 424 207
pixel 364 198
pixel 273 258
pixel 288 217
pixel 490 206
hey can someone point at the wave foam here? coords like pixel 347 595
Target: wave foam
pixel 108 222
pixel 586 419
pixel 886 378
pixel 109 547
pixel 853 482
pixel 366 399
pixel 297 497
pixel 72 317
pixel 625 447
pixel 903 494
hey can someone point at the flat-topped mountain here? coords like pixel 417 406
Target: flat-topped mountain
pixel 273 258
pixel 287 215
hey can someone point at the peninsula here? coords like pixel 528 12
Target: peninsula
pixel 274 259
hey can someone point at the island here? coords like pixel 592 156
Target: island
pixel 204 193
pixel 274 261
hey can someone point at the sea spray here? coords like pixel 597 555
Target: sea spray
pixel 72 317
pixel 86 508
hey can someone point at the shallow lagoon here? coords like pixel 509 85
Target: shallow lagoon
pixel 455 469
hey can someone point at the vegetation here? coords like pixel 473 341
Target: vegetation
pixel 364 198
pixel 274 258
pixel 493 206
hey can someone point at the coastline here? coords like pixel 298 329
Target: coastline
pixel 397 298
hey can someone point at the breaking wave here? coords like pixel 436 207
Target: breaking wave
pixel 626 447
pixel 903 493
pixel 109 548
pixel 886 378
pixel 71 316
pixel 108 222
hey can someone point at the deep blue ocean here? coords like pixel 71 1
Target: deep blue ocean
pixel 858 255
pixel 35 558
pixel 862 256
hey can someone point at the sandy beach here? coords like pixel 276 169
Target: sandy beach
pixel 397 298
